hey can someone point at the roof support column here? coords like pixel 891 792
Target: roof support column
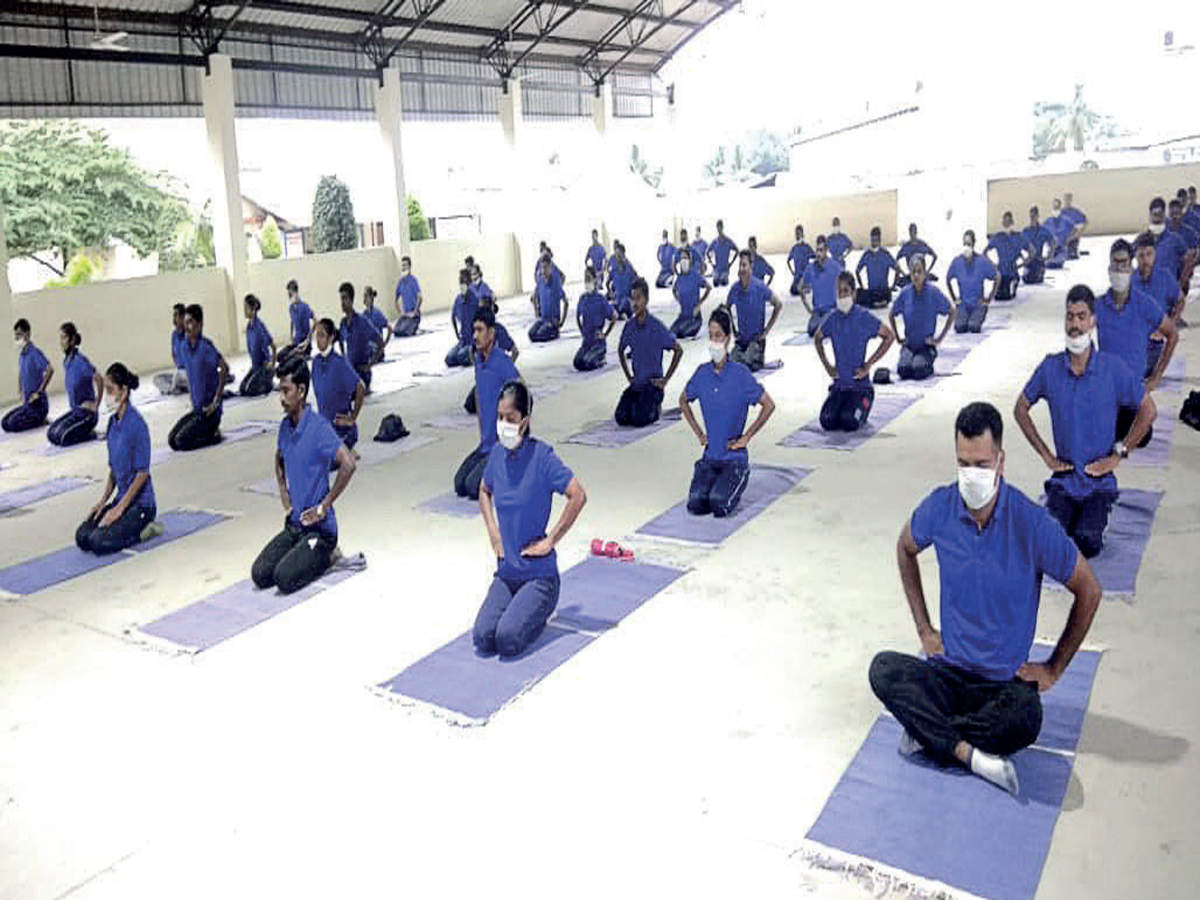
pixel 229 233
pixel 602 107
pixel 389 114
pixel 8 369
pixel 512 117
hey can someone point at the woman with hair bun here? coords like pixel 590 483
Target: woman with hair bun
pixel 115 524
pixel 83 384
pixel 260 380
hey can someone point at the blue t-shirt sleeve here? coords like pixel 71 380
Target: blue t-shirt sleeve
pixel 1053 552
pixel 808 275
pixel 666 340
pixel 624 341
pixel 328 441
pixel 989 270
pixel 1035 388
pixel 924 518
pixel 691 391
pixel 489 471
pixel 1151 311
pixel 141 448
pixel 555 472
pixel 1127 386
pixel 868 325
pixel 751 387
pixel 956 269
pixel 943 305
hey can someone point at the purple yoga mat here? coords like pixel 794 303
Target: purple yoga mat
pixel 25 496
pixel 1176 372
pixel 456 420
pixel 886 409
pixel 61 565
pixel 598 593
pixel 1125 539
pixel 1157 453
pixel 766 485
pixel 941 823
pixel 231 435
pixel 370 453
pixel 451 505
pixel 231 611
pixel 49 449
pixel 799 339
pixel 607 433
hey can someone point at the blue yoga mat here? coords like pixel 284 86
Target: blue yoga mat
pixel 1157 453
pixel 886 409
pixel 607 433
pixel 450 504
pixel 1064 705
pixel 1125 540
pixel 767 484
pixel 595 595
pixel 61 565
pixel 25 496
pixel 231 611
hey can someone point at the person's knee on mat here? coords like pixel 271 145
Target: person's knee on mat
pixel 83 536
pixel 511 640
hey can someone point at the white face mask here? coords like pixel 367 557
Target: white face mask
pixel 968 249
pixel 684 265
pixel 509 434
pixel 977 486
pixel 1078 345
pixel 1009 228
pixel 1157 228
pixel 837 229
pixel 716 349
pixel 20 342
pixel 328 349
pixel 845 304
pixel 1119 281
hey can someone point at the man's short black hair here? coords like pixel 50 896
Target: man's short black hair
pixel 976 418
pixel 1174 204
pixel 639 284
pixel 297 370
pixel 1157 203
pixel 1081 293
pixel 347 289
pixel 21 325
pixel 1034 210
pixel 179 308
pixel 196 311
pixel 1117 246
pixel 485 315
pixel 292 285
pixel 745 254
pixel 876 231
pixel 1145 239
pixel 821 240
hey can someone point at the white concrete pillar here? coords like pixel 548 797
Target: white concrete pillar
pixel 229 234
pixel 390 116
pixel 512 117
pixel 9 392
pixel 602 108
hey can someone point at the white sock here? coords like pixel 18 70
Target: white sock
pixel 998 770
pixel 908 744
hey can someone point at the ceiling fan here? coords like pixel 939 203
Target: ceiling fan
pixel 101 41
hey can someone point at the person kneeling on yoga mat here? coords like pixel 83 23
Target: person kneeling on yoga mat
pixel 307 449
pixel 493 369
pixel 84 386
pixel 644 340
pixel 919 305
pixel 974 698
pixel 260 380
pixel 549 305
pixel 520 479
pixel 726 391
pixel 34 372
pixel 850 328
pixel 113 526
pixel 206 372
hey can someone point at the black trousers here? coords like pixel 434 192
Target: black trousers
pixel 687 326
pixel 73 427
pixel 665 278
pixel 1084 520
pixel 717 487
pixel 1007 289
pixel 543 330
pixel 295 557
pixel 750 354
pixel 27 416
pixel 258 382
pixel 590 356
pixel 940 705
pixel 407 327
pixel 639 406
pixel 364 372
pixel 1035 271
pixel 123 533
pixel 458 356
pixel 1125 417
pixel 873 298
pixel 290 351
pixel 847 407
pixel 195 430
pixel 470 473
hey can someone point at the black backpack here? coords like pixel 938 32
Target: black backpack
pixel 882 376
pixel 1190 413
pixel 391 429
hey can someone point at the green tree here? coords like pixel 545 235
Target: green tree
pixel 191 245
pixel 270 241
pixel 334 227
pixel 1059 127
pixel 418 225
pixel 80 270
pixel 639 166
pixel 65 187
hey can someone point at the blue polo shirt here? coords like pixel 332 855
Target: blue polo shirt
pixel 621 278
pixel 1185 230
pixel 463 312
pixel 309 449
pixel 258 342
pixel 879 263
pixel 78 373
pixel 971 276
pixel 334 385
pixel 690 249
pixel 1073 216
pixel 1083 412
pixel 839 245
pixel 523 483
pixel 750 306
pixel 178 339
pixel 592 312
pixel 822 279
pixel 725 400
pixel 1059 227
pixel 1126 332
pixel 491 374
pixel 723 250
pixel 800 256
pixel 200 363
pixel 1008 249
pixel 549 299
pixel 760 268
pixel 301 315
pixel 375 316
pixel 358 336
pixel 699 250
pixel 128 441
pixel 1161 286
pixel 908 248
pixel 596 255
pixel 483 291
pixel 850 333
pixel 665 256
pixel 31 365
pixel 555 272
pixel 688 287
pixel 407 290
pixel 647 342
pixel 991 580
pixel 1169 251
pixel 1037 239
pixel 503 339
pixel 920 313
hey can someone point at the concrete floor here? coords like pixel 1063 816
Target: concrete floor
pixel 687 751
